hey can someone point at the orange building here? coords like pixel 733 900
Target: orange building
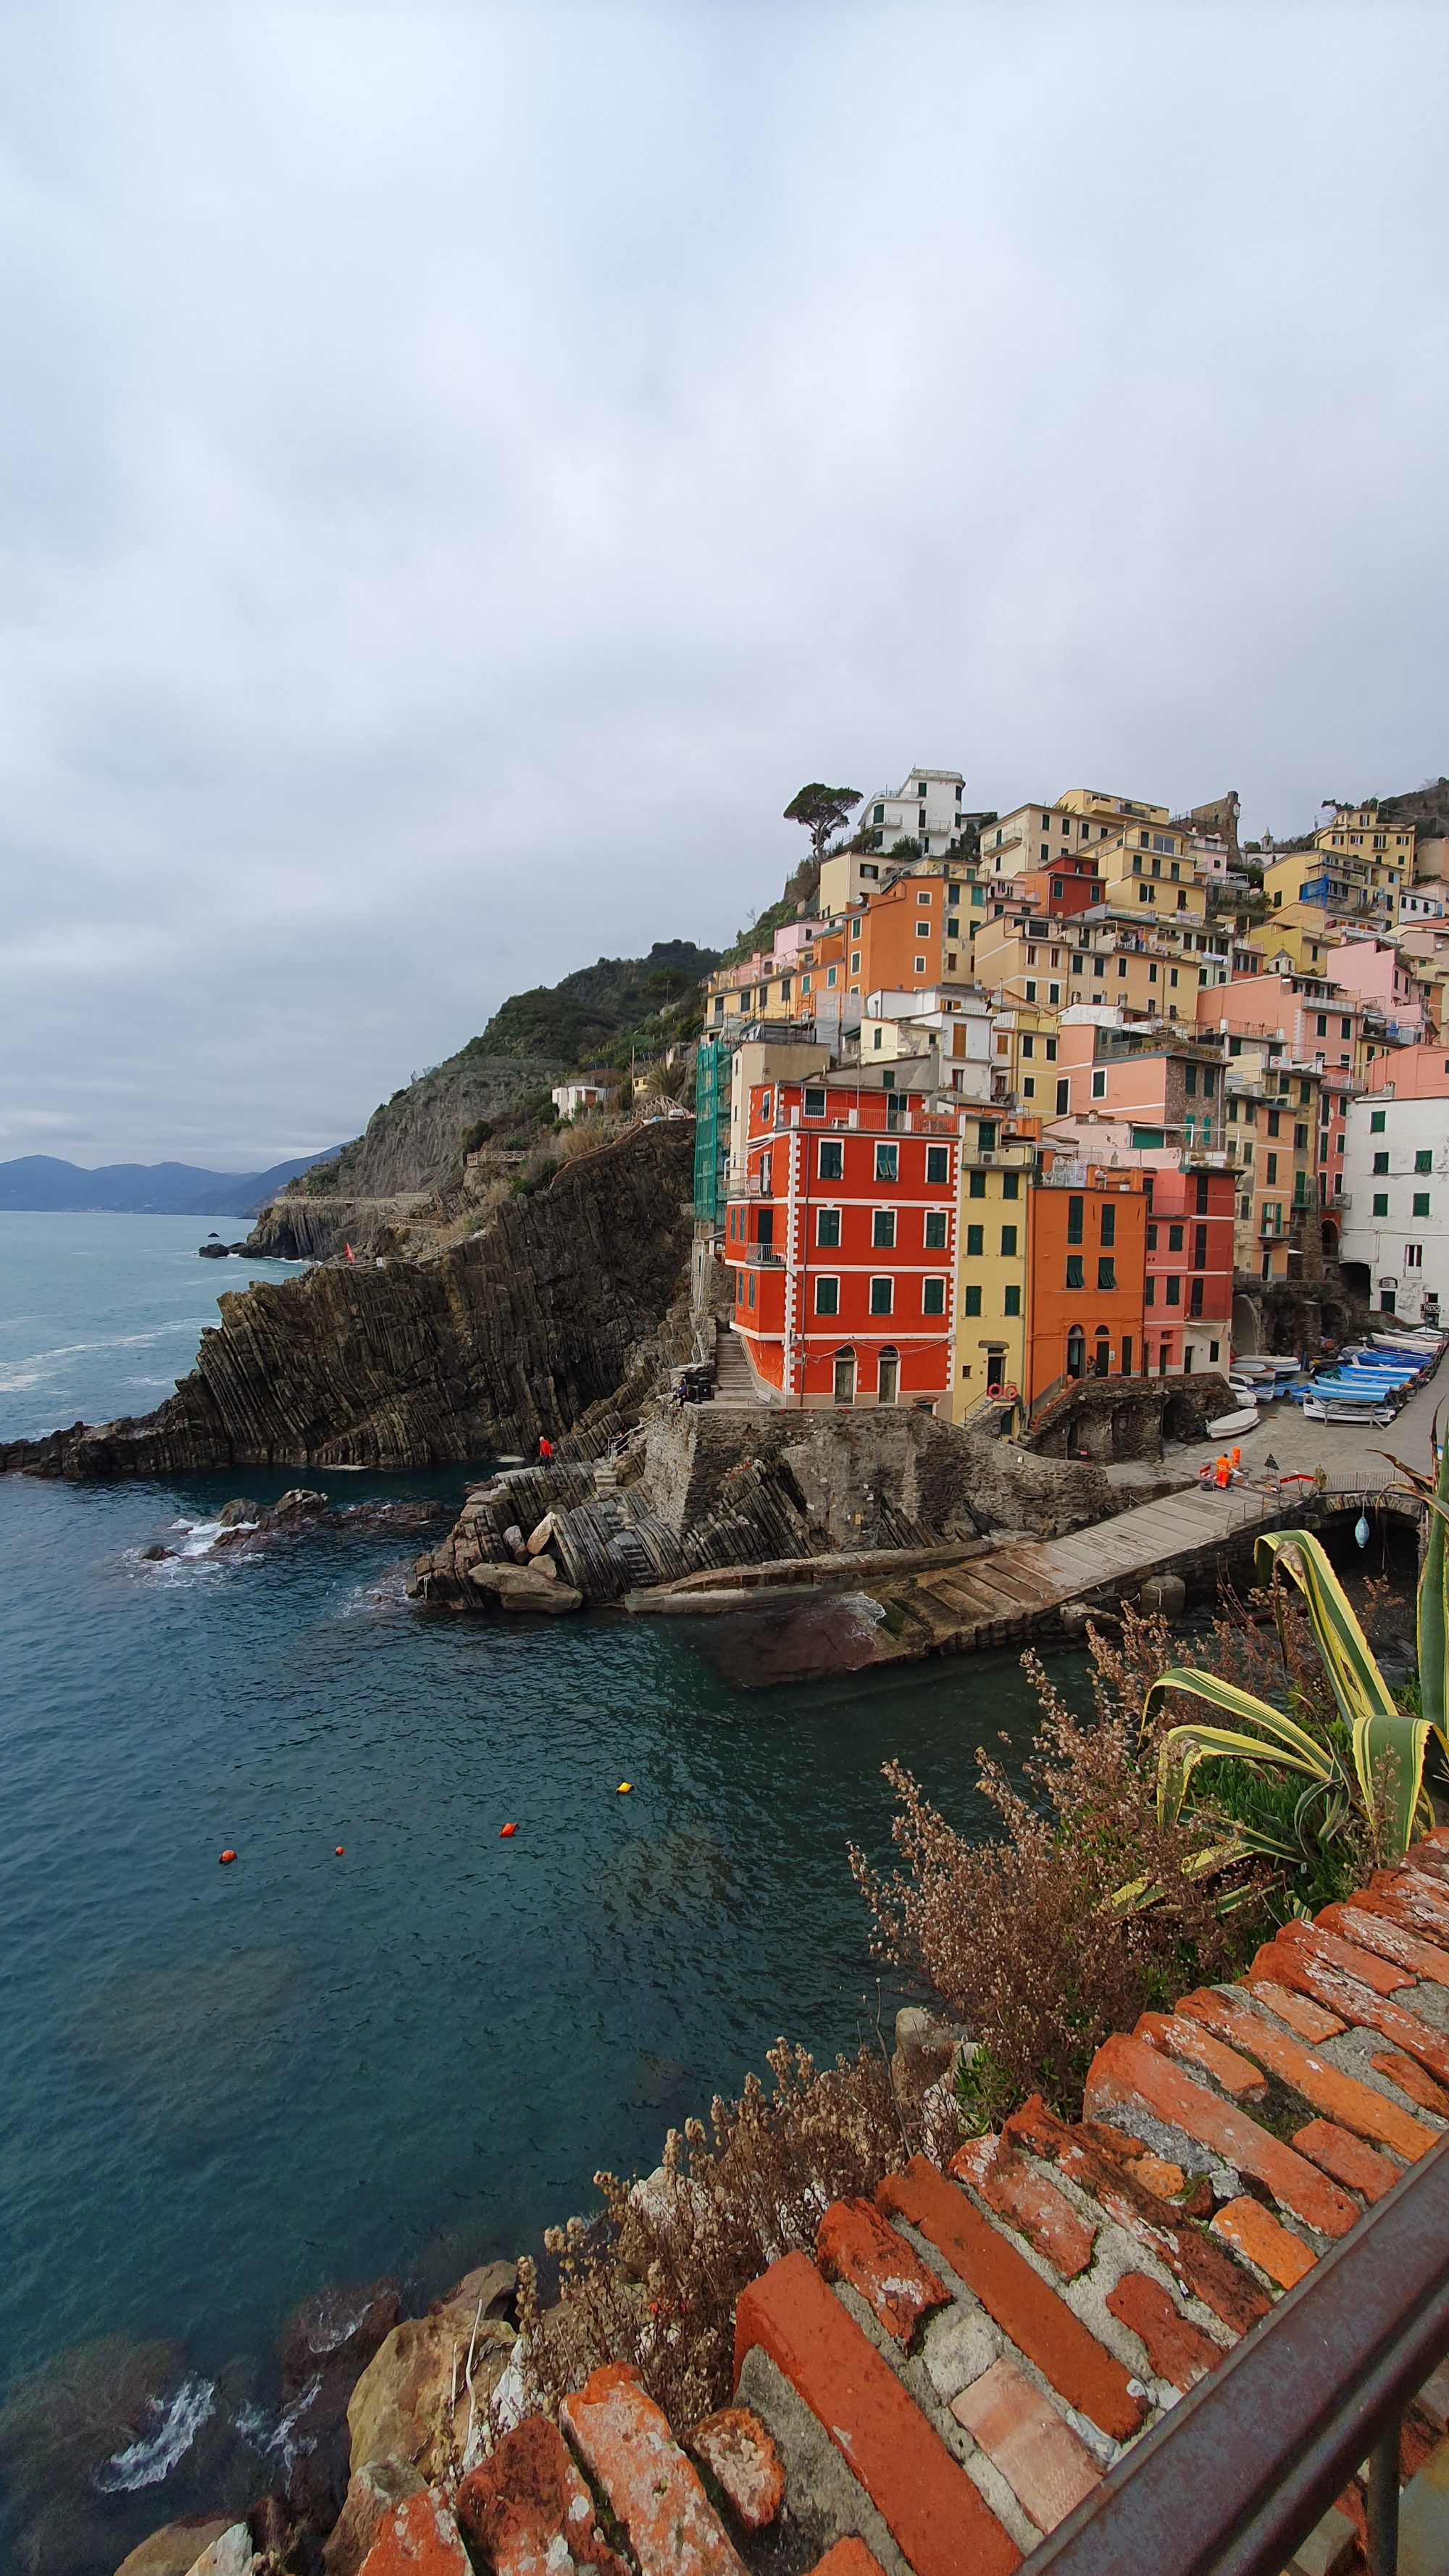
pixel 1085 1274
pixel 909 937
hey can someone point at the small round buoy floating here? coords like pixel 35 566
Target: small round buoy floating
pixel 339 1851
pixel 506 1829
pixel 228 1855
pixel 624 1788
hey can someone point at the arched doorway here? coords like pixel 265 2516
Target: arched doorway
pixel 1245 1326
pixel 1102 1356
pixel 1076 1352
pixel 890 1374
pixel 1330 1240
pixel 845 1377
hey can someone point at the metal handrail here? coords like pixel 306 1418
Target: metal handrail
pixel 1236 2476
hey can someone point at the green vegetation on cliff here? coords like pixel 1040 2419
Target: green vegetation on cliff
pixel 577 1020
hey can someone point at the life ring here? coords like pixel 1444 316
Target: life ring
pixel 1005 1394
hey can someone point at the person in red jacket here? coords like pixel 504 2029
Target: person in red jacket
pixel 545 1447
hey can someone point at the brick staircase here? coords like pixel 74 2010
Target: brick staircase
pixel 965 2356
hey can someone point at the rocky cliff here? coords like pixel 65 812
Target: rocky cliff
pixel 515 1332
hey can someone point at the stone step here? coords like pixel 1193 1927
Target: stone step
pixel 854 2244
pixel 1195 2047
pixel 1135 2087
pixel 1015 2297
pixel 1290 1964
pixel 1344 2098
pixel 1253 2231
pixel 528 2511
pixel 1020 2195
pixel 1382 1976
pixel 1177 2350
pixel 418 2538
pixel 1392 1941
pixel 654 2492
pixel 1048 2469
pixel 1348 2160
pixel 935 2514
pixel 1204 2269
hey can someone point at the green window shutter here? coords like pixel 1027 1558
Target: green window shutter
pixel 975 1235
pixel 1011 1303
pixel 973 1301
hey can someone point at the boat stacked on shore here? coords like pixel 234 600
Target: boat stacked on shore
pixel 1370 1380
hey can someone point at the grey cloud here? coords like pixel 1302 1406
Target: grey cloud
pixel 464 466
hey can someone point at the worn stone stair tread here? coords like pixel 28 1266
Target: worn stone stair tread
pixel 654 2491
pixel 1016 2297
pixel 935 2514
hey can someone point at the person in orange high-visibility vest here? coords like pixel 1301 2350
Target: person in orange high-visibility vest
pixel 1222 1471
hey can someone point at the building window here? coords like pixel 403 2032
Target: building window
pixel 938 1165
pixel 1109 1227
pixel 1075 1208
pixel 935 1233
pixel 855 961
pixel 887 1159
pixel 1064 1097
pixel 1381 1202
pixel 1174 1292
pixel 1424 1159
pixel 752 1288
pixel 1031 989
pixel 1099 1083
pixel 1377 1121
pixel 827 1226
pixel 1107 1272
pixel 1149 1294
pixel 933 1296
pixel 1381 1162
pixel 830 975
pixel 1028 1048
pixel 1413 1256
pixel 1273 1167
pixel 814 1102
pixel 882 1292
pixel 883 1228
pixel 1074 1270
pixel 1008 1243
pixel 827 1296
pixel 1010 1185
pixel 972 1304
pixel 1011 1302
pixel 975 1241
pixel 1194 1304
pixel 830 1161
pixel 1028 1087
pixel 920 965
pixel 1421 1203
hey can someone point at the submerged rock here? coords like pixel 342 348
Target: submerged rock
pixel 324 2347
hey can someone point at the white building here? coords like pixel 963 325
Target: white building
pixel 570 1097
pixel 1396 1186
pixel 925 809
pixel 952 1028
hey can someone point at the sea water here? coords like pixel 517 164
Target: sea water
pixel 223 2087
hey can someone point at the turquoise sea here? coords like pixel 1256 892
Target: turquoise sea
pixel 221 2088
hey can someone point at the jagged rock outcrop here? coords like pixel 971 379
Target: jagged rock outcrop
pixel 518 1331
pixel 704 1490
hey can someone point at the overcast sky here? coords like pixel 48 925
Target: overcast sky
pixel 462 467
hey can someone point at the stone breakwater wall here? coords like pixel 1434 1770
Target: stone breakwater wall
pixel 519 1331
pixel 702 1490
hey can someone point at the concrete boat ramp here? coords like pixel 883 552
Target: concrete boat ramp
pixel 902 1605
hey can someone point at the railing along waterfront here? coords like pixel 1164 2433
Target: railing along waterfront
pixel 1242 2469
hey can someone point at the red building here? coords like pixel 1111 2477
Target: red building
pixel 841 1234
pixel 1188 1297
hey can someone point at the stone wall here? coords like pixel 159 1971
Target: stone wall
pixel 1127 1417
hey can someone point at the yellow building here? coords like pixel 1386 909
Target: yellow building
pixel 1150 968
pixel 1271 1133
pixel 1024 1041
pixel 1038 836
pixel 991 1232
pixel 1146 869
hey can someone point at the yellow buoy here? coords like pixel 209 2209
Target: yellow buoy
pixel 624 1788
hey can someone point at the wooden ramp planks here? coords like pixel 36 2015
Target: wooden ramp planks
pixel 999 1597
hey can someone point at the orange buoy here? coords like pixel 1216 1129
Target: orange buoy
pixel 339 1851
pixel 228 1855
pixel 506 1829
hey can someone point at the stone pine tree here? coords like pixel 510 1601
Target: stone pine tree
pixel 822 810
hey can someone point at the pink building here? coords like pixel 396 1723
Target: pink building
pixel 1374 970
pixel 1412 1073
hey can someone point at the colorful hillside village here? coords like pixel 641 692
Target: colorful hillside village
pixel 1017 1100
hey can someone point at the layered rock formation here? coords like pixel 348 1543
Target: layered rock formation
pixel 518 1331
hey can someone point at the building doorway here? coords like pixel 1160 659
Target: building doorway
pixel 845 1377
pixel 1076 1352
pixel 1102 1358
pixel 995 1371
pixel 890 1375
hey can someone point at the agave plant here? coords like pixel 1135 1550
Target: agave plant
pixel 1374 1768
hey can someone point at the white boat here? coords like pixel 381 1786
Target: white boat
pixel 1232 1425
pixel 1333 1408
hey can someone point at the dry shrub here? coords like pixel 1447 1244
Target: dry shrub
pixel 654 2279
pixel 1020 1937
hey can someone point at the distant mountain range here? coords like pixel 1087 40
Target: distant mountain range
pixel 38 1183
